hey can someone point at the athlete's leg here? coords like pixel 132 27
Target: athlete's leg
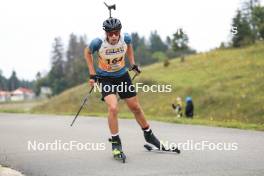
pixel 135 108
pixel 111 101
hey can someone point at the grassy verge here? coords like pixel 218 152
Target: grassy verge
pixel 17 108
pixel 20 106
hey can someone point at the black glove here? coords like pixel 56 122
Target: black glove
pixel 135 68
pixel 94 77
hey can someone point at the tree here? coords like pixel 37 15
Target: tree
pixel 56 76
pixel 13 82
pixel 168 42
pixel 258 19
pixel 76 69
pixel 156 43
pixel 135 40
pixel 41 81
pixel 3 82
pixel 38 76
pixel 249 21
pixel 82 65
pixel 70 66
pixel 244 35
pixel 141 50
pixel 180 41
pixel 179 45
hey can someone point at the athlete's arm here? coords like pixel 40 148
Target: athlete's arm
pixel 130 54
pixel 88 54
pixel 89 59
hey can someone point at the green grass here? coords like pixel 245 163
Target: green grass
pixel 226 86
pixel 20 106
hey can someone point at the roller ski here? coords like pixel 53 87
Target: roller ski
pixel 154 149
pixel 158 147
pixel 117 151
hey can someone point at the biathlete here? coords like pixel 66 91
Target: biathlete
pixel 112 72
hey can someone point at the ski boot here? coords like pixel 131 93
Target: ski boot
pixel 152 139
pixel 117 151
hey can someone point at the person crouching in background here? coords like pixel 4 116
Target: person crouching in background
pixel 189 107
pixel 178 107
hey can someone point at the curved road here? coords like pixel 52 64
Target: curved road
pixel 19 131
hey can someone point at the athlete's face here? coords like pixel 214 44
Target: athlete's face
pixel 113 37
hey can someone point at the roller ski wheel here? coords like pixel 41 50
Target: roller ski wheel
pixel 120 156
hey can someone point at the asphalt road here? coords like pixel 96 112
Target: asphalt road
pixel 19 131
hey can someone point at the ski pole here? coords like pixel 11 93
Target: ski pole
pixel 84 101
pixel 134 76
